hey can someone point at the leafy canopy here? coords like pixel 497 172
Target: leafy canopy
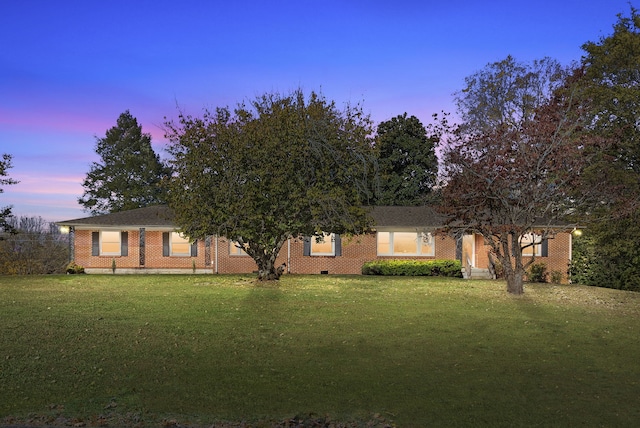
pixel 506 93
pixel 513 171
pixel 129 174
pixel 279 166
pixel 611 95
pixel 611 89
pixel 407 162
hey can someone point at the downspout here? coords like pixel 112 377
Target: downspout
pixel 570 256
pixel 289 255
pixel 216 257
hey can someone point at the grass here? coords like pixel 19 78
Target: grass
pixel 418 351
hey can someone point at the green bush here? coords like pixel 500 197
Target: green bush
pixel 73 268
pixel 451 268
pixel 556 276
pixel 537 273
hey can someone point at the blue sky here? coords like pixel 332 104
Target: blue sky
pixel 69 68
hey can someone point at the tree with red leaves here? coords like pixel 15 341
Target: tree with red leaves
pixel 514 173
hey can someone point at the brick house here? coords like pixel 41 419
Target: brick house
pixel 146 240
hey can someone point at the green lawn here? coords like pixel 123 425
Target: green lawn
pixel 417 351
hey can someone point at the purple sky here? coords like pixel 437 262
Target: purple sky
pixel 69 68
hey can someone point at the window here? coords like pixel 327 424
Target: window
pixel 323 245
pixel 174 244
pixel 405 244
pixel 329 244
pixel 110 243
pixel 234 250
pixel 179 245
pixel 533 244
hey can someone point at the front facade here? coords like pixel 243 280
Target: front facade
pixel 145 240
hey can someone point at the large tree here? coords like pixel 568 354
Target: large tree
pixel 5 212
pixel 512 165
pixel 506 93
pixel 611 90
pixel 407 162
pixel 282 166
pixel 129 174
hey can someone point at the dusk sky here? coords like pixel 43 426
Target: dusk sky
pixel 68 69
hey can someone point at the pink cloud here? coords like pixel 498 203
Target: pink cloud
pixel 48 185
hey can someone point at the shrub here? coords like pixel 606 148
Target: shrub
pixel 73 268
pixel 451 268
pixel 556 276
pixel 537 273
pixel 38 248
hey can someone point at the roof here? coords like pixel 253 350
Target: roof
pixel 423 216
pixel 162 216
pixel 154 216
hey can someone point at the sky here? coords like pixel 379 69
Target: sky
pixel 69 68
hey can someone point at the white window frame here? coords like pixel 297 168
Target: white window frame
pixel 103 241
pixel 420 238
pixel 325 236
pixel 536 249
pixel 173 253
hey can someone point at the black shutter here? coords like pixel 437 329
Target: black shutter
pixel 124 243
pixel 165 244
pixel 143 244
pixel 207 251
pixel 95 243
pixel 194 249
pixel 544 251
pixel 306 249
pixel 337 244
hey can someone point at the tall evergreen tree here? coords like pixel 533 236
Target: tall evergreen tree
pixel 611 93
pixel 130 173
pixel 407 162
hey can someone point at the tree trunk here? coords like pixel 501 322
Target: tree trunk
pixel 510 255
pixel 265 258
pixel 515 274
pixel 266 269
pixel 515 282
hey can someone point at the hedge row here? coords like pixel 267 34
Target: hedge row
pixel 452 268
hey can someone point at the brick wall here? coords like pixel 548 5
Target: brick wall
pixel 557 259
pixel 559 253
pixel 355 252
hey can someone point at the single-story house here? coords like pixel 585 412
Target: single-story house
pixel 145 240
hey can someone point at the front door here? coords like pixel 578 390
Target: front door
pixel 468 251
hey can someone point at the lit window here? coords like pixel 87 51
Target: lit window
pixel 180 245
pixel 235 250
pixel 531 245
pixel 323 245
pixel 405 244
pixel 110 243
pixel 384 243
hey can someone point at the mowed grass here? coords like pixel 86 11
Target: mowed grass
pixel 418 351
